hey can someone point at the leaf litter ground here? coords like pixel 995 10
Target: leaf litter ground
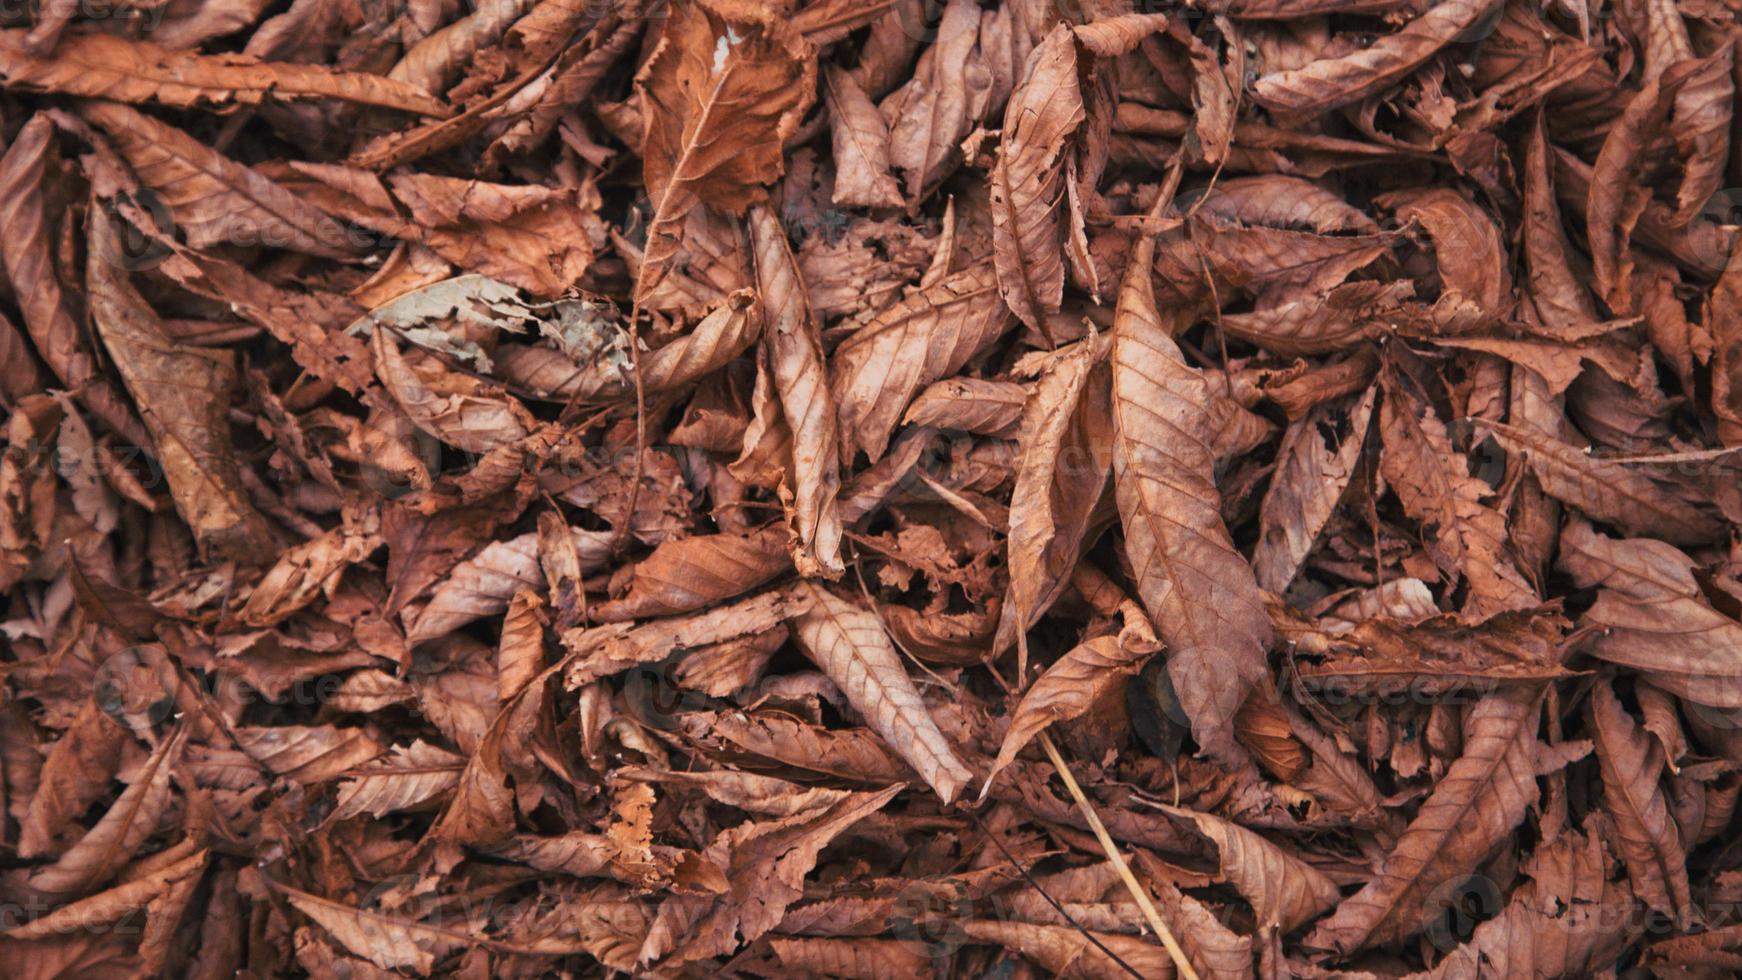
pixel 864 489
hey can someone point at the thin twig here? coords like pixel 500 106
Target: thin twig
pixel 1060 909
pixel 1131 883
pixel 622 535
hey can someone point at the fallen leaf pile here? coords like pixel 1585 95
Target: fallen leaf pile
pixel 871 488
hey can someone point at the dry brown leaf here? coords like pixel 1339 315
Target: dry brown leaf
pixel 1329 83
pixel 609 649
pixel 483 585
pixel 1282 889
pixel 533 237
pixel 795 359
pixel 1553 926
pixel 183 395
pixel 876 372
pixel 1279 201
pixel 407 777
pixel 104 908
pixel 1616 199
pixel 107 67
pixel 1200 593
pixel 1726 328
pixel 1607 491
pixel 308 753
pixel 1308 484
pixel 1027 181
pixel 388 941
pixel 27 245
pixel 1645 835
pixel 456 408
pixel 689 573
pixel 1651 614
pixel 1119 34
pixel 724 89
pixel 1471 813
pixel 861 146
pixel 215 200
pixel 74 774
pixel 865 959
pixel 124 827
pixel 1067 952
pixel 1324 322
pixel 1059 480
pixel 849 644
pixel 724 333
pixel 1704 108
pixel 303 573
pixel 764 864
pixel 1067 689
pixel 969 404
pixel 947 95
pixel 1433 483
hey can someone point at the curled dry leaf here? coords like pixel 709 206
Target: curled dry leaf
pixel 75 772
pixel 1200 593
pixel 1321 323
pixel 308 753
pixel 970 404
pixel 1304 492
pixel 764 864
pixel 1279 201
pixel 211 198
pixel 129 821
pixel 714 341
pixel 47 314
pixel 1552 925
pixel 182 393
pixel 1028 179
pixel 1059 480
pixel 948 93
pixel 302 573
pixel 1211 948
pixel 689 573
pixel 1328 83
pixel 795 359
pixel 861 145
pixel 1067 689
pixel 1433 482
pixel 606 650
pixel 384 939
pixel 530 236
pixel 1066 951
pixel 1604 490
pixel 408 777
pixel 852 957
pixel 105 908
pixel 1282 889
pixel 1645 834
pixel 482 585
pixel 456 408
pixel 1726 328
